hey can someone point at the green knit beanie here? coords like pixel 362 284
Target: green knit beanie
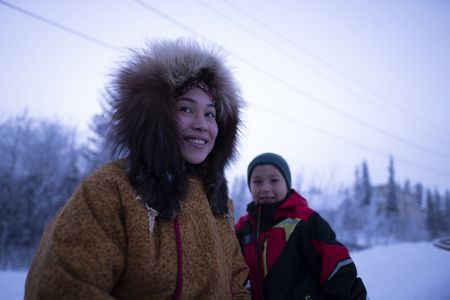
pixel 270 159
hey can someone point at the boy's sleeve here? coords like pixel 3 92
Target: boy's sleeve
pixel 81 254
pixel 331 261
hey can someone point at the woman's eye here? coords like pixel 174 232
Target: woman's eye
pixel 185 109
pixel 211 115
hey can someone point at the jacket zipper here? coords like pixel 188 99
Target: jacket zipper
pixel 258 265
pixel 264 257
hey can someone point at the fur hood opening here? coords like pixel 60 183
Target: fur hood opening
pixel 143 128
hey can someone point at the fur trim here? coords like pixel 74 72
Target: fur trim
pixel 142 98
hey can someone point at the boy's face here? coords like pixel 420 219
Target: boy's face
pixel 267 184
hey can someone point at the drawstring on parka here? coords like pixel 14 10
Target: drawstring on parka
pixel 151 219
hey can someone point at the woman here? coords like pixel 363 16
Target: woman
pixel 156 224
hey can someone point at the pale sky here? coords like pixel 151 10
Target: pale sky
pixel 328 83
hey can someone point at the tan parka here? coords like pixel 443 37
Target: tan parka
pixel 99 247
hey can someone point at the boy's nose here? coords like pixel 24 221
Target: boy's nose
pixel 265 186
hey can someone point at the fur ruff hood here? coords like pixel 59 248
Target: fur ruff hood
pixel 142 99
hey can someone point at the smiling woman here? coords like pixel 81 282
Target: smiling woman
pixel 156 224
pixel 196 121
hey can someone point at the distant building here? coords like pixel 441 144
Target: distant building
pixel 407 203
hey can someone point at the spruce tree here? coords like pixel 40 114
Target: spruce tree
pixel 447 212
pixel 366 185
pixel 432 217
pixel 418 193
pixel 407 187
pixel 440 204
pixel 97 151
pixel 357 187
pixel 391 198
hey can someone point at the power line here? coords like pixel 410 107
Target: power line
pixel 167 17
pixel 283 37
pixel 350 142
pixel 172 20
pixel 347 115
pixel 61 26
pixel 357 95
pixel 299 91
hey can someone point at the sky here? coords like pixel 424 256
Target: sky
pixel 328 84
pixel 409 271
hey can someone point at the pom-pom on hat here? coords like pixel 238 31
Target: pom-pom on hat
pixel 270 159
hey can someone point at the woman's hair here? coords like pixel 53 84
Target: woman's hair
pixel 143 127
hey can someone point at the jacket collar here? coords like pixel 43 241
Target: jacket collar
pixel 292 200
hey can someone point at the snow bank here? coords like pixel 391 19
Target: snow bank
pixel 406 271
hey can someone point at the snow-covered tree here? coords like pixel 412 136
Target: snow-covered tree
pixel 432 215
pixel 97 151
pixel 447 212
pixel 366 185
pixel 407 187
pixel 39 170
pixel 357 186
pixel 441 212
pixel 356 210
pixel 391 198
pixel 418 193
pixel 241 196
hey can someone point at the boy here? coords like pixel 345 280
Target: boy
pixel 291 251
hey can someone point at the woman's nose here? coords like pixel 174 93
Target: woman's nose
pixel 200 123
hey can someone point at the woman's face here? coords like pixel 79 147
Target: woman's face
pixel 197 126
pixel 267 184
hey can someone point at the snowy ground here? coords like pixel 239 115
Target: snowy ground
pixel 397 272
pixel 405 272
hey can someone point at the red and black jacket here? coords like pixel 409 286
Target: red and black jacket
pixel 292 253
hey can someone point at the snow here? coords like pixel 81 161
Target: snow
pixel 12 284
pixel 405 271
